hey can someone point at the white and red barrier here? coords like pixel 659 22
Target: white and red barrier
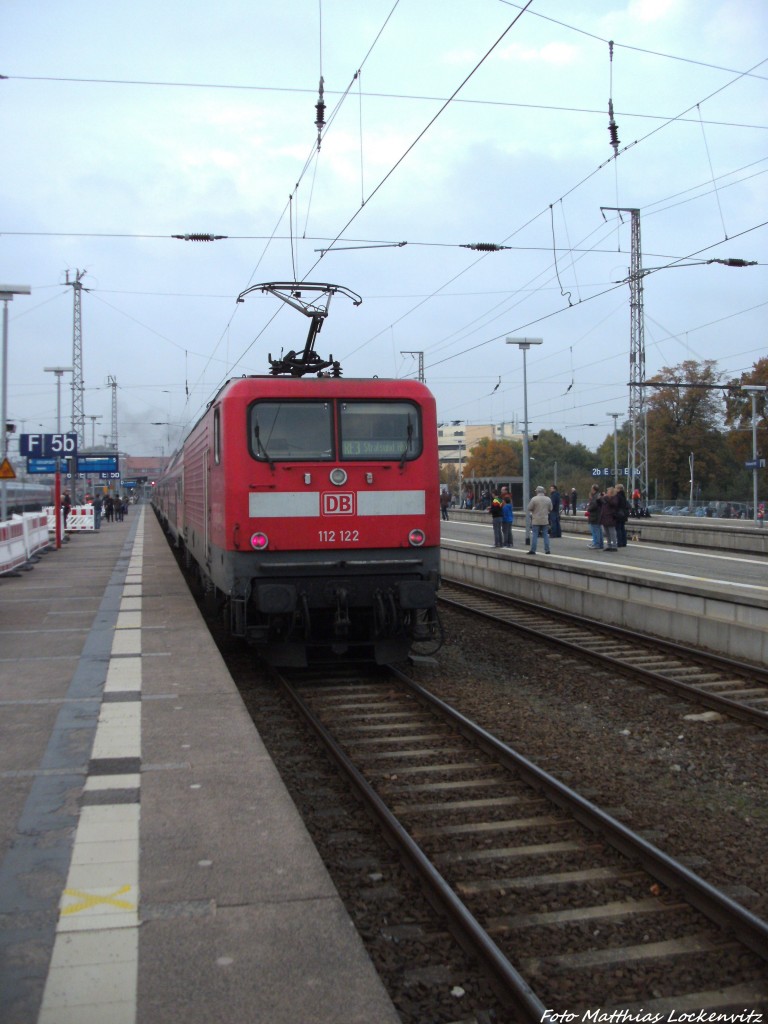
pixel 80 518
pixel 21 538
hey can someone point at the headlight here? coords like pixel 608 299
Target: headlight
pixel 259 541
pixel 416 538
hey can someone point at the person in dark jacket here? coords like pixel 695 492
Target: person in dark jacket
pixel 445 501
pixel 555 529
pixel 496 519
pixel 593 517
pixel 622 515
pixel 97 506
pixel 609 504
pixel 66 507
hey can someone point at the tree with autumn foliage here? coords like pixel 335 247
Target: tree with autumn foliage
pixel 738 411
pixel 491 459
pixel 685 415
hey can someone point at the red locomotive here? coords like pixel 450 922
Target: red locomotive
pixel 310 508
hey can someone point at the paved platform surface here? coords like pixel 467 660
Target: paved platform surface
pixel 152 866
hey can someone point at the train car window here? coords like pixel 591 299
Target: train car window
pixel 291 430
pixel 217 436
pixel 380 430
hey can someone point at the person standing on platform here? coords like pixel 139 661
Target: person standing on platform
pixel 573 501
pixel 97 506
pixel 66 507
pixel 608 507
pixel 555 529
pixel 593 517
pixel 507 518
pixel 539 506
pixel 495 510
pixel 622 515
pixel 445 501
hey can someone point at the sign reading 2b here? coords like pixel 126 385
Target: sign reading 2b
pixel 48 446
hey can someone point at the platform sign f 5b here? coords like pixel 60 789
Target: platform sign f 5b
pixel 48 446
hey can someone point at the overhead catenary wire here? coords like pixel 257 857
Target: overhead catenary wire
pixel 429 124
pixel 613 128
pixel 415 141
pixel 712 172
pixel 556 250
pixel 575 187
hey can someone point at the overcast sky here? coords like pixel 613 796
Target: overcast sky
pixel 125 124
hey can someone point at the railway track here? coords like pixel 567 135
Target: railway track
pixel 565 907
pixel 729 687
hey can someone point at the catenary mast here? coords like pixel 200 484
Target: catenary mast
pixel 637 462
pixel 78 387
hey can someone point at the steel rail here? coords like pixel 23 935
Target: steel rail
pixel 750 929
pixel 725 705
pixel 467 930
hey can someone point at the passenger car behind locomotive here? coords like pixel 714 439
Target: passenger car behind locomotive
pixel 310 508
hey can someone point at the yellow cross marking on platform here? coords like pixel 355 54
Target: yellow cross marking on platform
pixel 87 900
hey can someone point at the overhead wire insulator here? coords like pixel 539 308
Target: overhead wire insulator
pixel 483 246
pixel 613 129
pixel 732 262
pixel 320 112
pixel 199 237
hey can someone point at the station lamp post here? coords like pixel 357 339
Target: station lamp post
pixel 524 344
pixel 59 371
pixel 615 447
pixel 7 291
pixel 755 390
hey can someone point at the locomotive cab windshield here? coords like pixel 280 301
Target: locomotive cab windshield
pixel 291 430
pixel 296 430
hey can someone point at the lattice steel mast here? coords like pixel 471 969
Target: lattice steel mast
pixel 78 387
pixel 112 382
pixel 637 462
pixel 421 376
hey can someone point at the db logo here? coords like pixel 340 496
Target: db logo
pixel 338 503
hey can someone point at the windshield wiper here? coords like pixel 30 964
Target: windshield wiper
pixel 408 443
pixel 260 447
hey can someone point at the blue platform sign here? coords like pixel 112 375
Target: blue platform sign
pixel 97 464
pixel 755 464
pixel 623 471
pixel 42 465
pixel 48 446
pixel 86 465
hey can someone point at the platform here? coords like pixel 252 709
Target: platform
pixel 711 595
pixel 152 866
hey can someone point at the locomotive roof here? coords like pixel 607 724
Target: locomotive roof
pixel 274 385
